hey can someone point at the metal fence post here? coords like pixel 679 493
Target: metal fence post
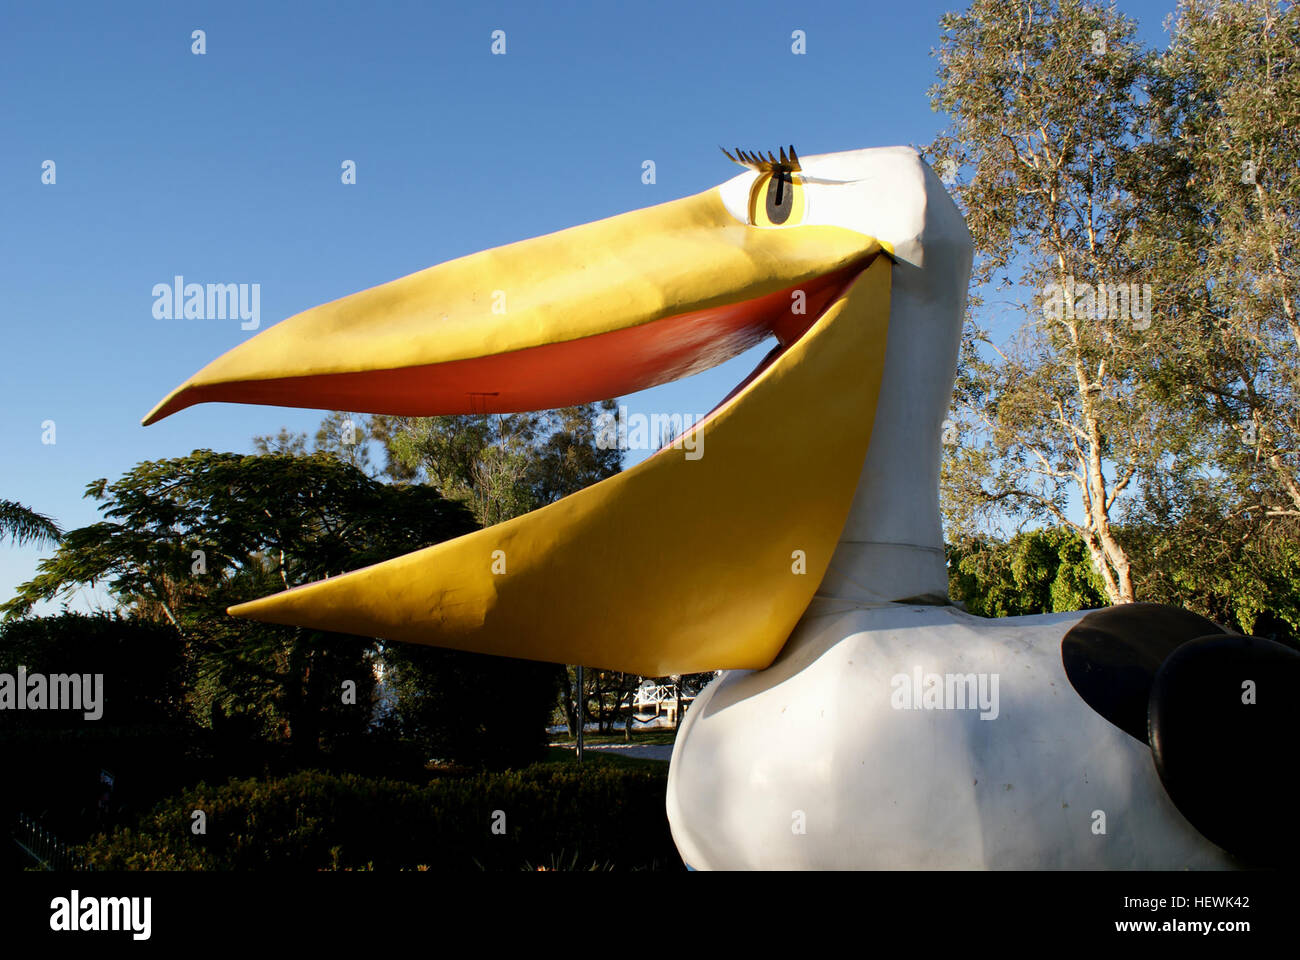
pixel 582 718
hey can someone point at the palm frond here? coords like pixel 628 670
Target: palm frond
pixel 23 525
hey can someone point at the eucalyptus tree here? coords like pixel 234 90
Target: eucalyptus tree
pixel 1053 420
pixel 1220 230
pixel 346 436
pixel 500 465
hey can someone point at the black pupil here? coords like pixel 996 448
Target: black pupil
pixel 780 197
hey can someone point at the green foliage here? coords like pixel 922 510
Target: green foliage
pixel 1229 569
pixel 1039 571
pixel 501 466
pixel 1232 567
pixel 469 708
pixel 266 522
pixel 53 758
pixel 1252 585
pixel 54 774
pixel 314 821
pixel 257 520
pixel 344 436
pixel 1220 238
pixel 183 539
pixel 1081 154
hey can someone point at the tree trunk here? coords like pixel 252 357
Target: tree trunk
pixel 570 710
pixel 1101 541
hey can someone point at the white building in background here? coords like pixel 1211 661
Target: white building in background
pixel 664 698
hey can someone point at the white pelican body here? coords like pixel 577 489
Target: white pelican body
pixel 808 764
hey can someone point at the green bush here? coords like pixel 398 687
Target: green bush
pixel 1038 571
pixel 314 820
pixel 142 663
pixel 1243 578
pixel 470 708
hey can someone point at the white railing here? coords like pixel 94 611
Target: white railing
pixel 652 695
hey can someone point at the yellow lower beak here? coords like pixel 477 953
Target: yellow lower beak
pixel 674 566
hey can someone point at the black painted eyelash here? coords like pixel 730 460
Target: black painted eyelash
pixel 770 164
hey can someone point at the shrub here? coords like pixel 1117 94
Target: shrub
pixel 1038 571
pixel 470 708
pixel 314 820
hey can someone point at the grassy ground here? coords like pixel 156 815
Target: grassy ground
pixel 600 758
pixel 638 736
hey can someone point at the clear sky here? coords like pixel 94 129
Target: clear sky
pixel 225 168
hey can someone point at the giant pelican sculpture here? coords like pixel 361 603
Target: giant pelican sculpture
pixel 861 721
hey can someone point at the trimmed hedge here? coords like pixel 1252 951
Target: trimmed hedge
pixel 591 815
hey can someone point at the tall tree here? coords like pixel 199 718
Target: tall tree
pixel 499 465
pixel 1193 551
pixel 344 435
pixel 1217 525
pixel 1043 99
pixel 1220 235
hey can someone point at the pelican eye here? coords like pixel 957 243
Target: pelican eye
pixel 776 199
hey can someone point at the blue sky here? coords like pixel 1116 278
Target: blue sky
pixel 225 168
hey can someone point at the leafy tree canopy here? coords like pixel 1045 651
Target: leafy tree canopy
pixel 182 539
pixel 203 531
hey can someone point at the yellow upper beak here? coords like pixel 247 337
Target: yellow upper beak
pixel 542 323
pixel 676 565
